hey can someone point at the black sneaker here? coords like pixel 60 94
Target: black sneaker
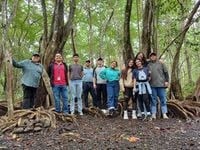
pixel 111 112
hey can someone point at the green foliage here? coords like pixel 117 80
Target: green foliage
pixel 188 89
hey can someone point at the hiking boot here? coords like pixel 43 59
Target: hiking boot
pixel 153 116
pixel 125 114
pixel 134 116
pixel 165 116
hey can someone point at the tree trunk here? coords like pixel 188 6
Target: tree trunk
pixel 72 40
pixel 53 42
pixel 128 51
pixel 155 18
pixel 138 22
pixel 196 95
pixel 147 27
pixel 6 21
pixel 175 87
pixel 189 66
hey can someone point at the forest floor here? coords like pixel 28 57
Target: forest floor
pixel 93 133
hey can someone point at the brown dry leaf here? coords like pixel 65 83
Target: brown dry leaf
pixel 133 139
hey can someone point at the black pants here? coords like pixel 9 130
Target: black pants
pixel 128 94
pixel 101 91
pixel 88 88
pixel 143 99
pixel 29 96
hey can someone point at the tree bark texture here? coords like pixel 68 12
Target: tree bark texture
pixel 196 95
pixel 147 27
pixel 53 42
pixel 128 51
pixel 189 66
pixel 175 86
pixel 6 21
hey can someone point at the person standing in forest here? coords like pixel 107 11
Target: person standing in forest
pixel 58 73
pixel 141 77
pixel 100 85
pixel 112 75
pixel 159 82
pixel 126 84
pixel 75 76
pixel 32 73
pixel 88 84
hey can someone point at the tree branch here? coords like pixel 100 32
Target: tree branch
pixel 186 27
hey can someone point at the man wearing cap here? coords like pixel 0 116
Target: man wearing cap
pixel 32 73
pixel 88 84
pixel 159 82
pixel 100 84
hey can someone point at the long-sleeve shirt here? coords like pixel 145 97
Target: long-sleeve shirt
pixel 32 72
pixel 159 74
pixel 87 74
pixel 110 74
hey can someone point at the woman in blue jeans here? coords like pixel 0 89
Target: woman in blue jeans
pixel 112 75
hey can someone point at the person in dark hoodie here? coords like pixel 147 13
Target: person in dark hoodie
pixel 59 80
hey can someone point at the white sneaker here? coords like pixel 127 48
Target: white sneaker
pixel 125 114
pixel 153 116
pixel 134 116
pixel 165 116
pixel 81 113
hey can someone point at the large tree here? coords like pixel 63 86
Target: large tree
pixel 127 51
pixel 175 86
pixel 54 37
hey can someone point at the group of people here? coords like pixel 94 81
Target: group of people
pixel 141 81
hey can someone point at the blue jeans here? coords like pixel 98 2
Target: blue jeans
pixel 60 90
pixel 161 93
pixel 88 88
pixel 76 91
pixel 113 94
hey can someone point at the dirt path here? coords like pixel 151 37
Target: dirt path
pixel 111 134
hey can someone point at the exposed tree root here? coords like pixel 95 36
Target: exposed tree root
pixel 184 109
pixel 94 111
pixel 34 120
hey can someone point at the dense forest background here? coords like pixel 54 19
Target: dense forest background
pixel 112 29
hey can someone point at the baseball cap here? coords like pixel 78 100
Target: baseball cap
pixel 152 54
pixel 35 54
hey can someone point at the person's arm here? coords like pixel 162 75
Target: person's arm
pixel 19 64
pixel 81 74
pixel 166 75
pixel 66 69
pixel 103 74
pixel 69 72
